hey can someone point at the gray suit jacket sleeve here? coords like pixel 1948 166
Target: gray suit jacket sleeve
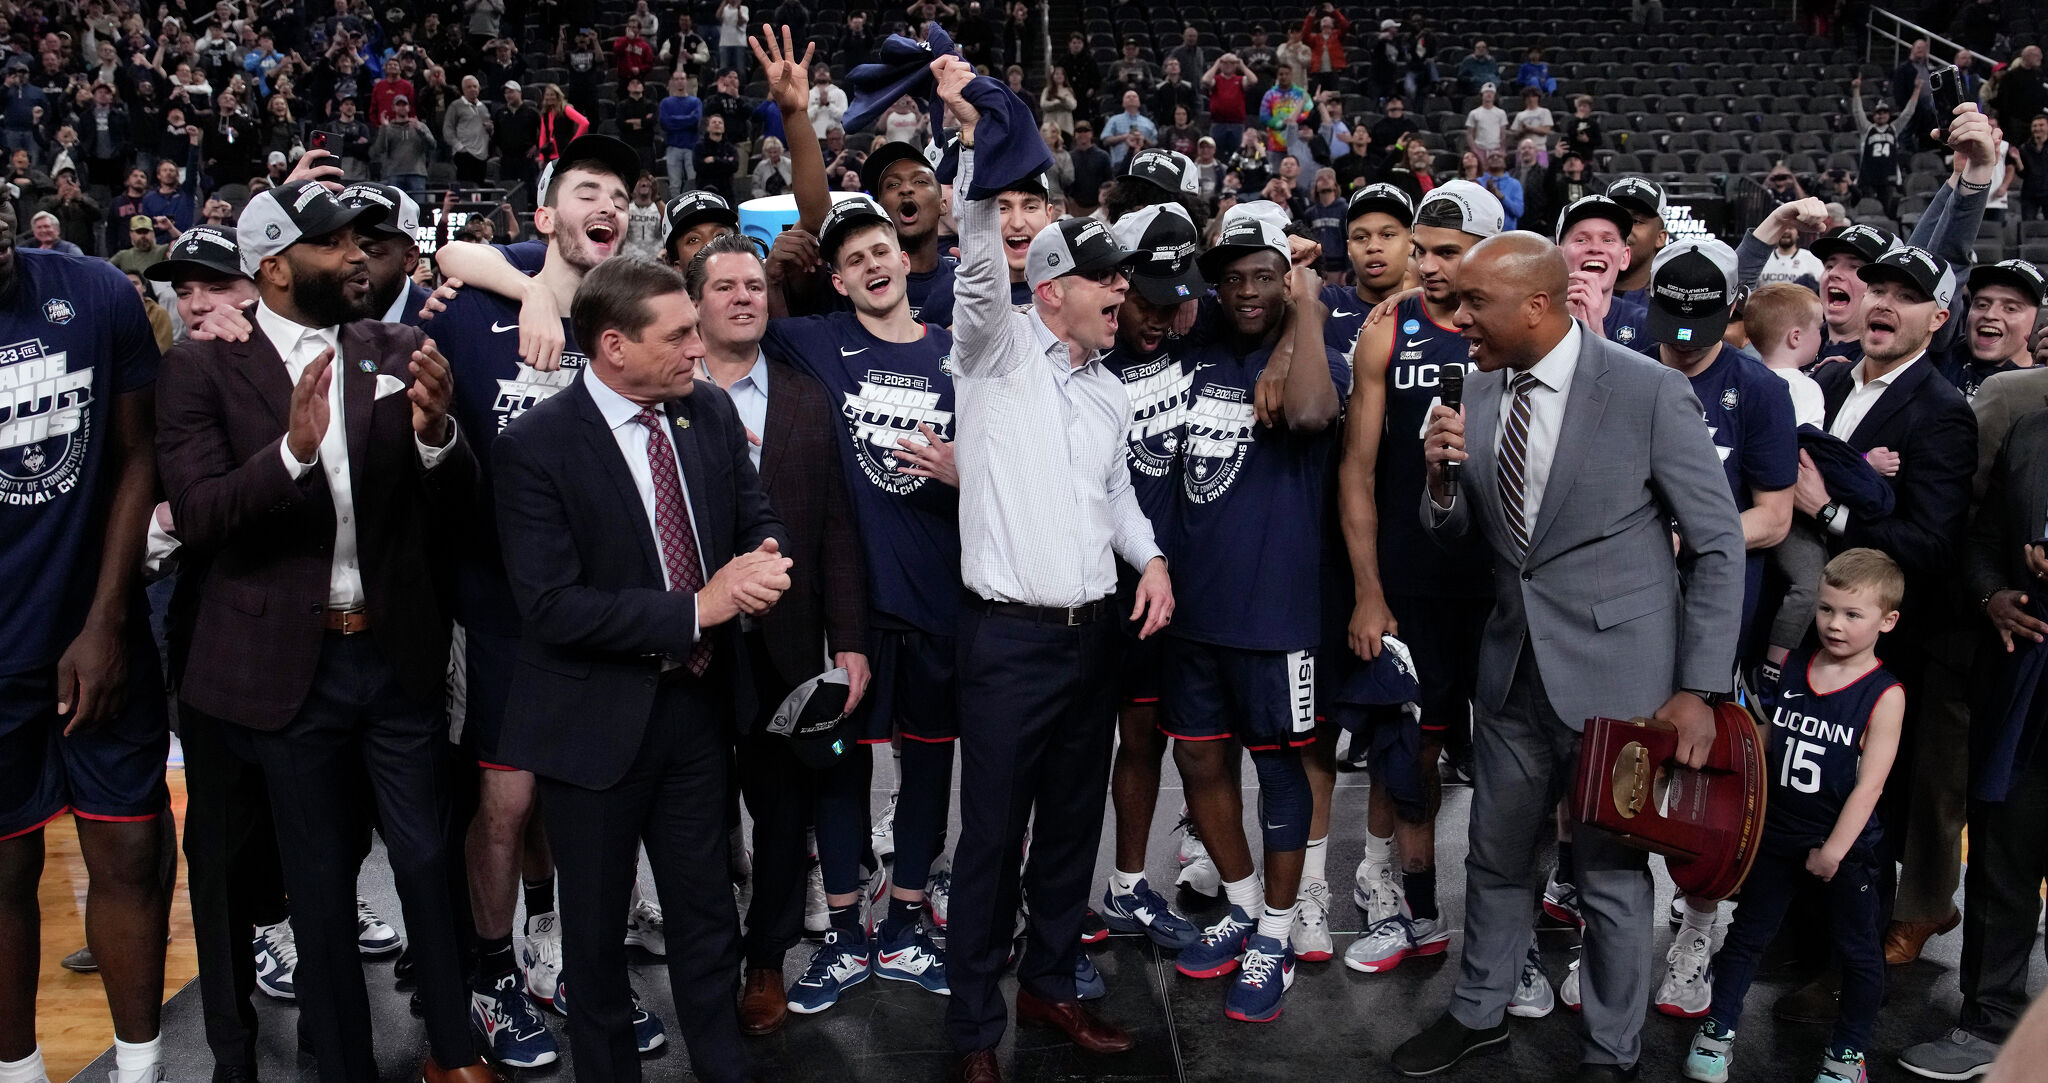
pixel 1685 471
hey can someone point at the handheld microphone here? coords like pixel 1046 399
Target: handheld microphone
pixel 1450 388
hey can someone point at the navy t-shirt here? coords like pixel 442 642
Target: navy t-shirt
pixel 72 339
pixel 1411 563
pixel 909 526
pixel 527 256
pixel 1345 318
pixel 1815 749
pixel 1748 410
pixel 1020 293
pixel 1248 550
pixel 479 334
pixel 1966 373
pixel 1624 326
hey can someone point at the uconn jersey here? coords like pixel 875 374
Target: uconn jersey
pixel 1816 746
pixel 1410 562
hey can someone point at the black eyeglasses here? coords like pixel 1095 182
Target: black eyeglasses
pixel 1101 278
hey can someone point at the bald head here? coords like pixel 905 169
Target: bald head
pixel 1511 300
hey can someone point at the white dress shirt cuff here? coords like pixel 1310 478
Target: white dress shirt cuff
pixel 292 465
pixel 430 456
pixel 1839 525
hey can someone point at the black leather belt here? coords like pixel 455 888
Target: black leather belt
pixel 1071 616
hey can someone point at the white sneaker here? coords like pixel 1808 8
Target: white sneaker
pixel 1677 910
pixel 1688 987
pixel 1377 891
pixel 1568 989
pixel 374 936
pixel 938 891
pixel 817 912
pixel 644 927
pixel 540 956
pixel 1198 871
pixel 277 960
pixel 1532 999
pixel 1312 921
pixel 155 1073
pixel 883 837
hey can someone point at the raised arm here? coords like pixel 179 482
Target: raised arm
pixel 789 87
pixel 982 323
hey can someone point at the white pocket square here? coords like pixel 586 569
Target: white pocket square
pixel 388 384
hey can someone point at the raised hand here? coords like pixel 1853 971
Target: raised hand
pixel 309 409
pixel 433 387
pixel 789 79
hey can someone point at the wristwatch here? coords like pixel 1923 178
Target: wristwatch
pixel 1713 699
pixel 1828 512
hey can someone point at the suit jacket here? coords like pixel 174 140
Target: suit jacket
pixel 267 542
pixel 586 573
pixel 1927 421
pixel 2014 512
pixel 827 598
pixel 1598 598
pixel 2002 400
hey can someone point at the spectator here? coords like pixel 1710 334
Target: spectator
pixel 1471 166
pixel 1322 30
pixel 1293 53
pixel 690 54
pixel 502 70
pixel 1020 33
pixel 1504 187
pixel 1389 61
pixel 1280 113
pixel 233 147
pixel 1181 135
pixel 1326 220
pixel 1013 77
pixel 435 96
pixel 645 221
pixel 1534 120
pixel 1092 169
pixel 1486 125
pixel 110 146
pixel 516 136
pixel 1208 170
pixel 1133 71
pixel 1534 177
pixel 681 116
pixel 174 202
pixel 1128 132
pixel 466 130
pixel 1251 162
pixel 1394 125
pixel 973 34
pixel 584 58
pixel 126 204
pixel 1789 262
pixel 483 18
pixel 355 139
pixel 46 233
pixel 1190 54
pixel 560 124
pixel 397 83
pixel 635 117
pixel 732 35
pixel 1081 68
pixel 1229 84
pixel 904 123
pixel 772 175
pixel 1781 185
pixel 1582 129
pixel 258 62
pixel 402 150
pixel 717 161
pixel 841 159
pixel 1284 187
pixel 1910 94
pixel 2021 95
pixel 632 53
pixel 1357 166
pixel 1173 91
pixel 1569 181
pixel 1422 70
pixel 142 252
pixel 2033 169
pixel 1534 74
pixel 828 102
pixel 1058 179
pixel 22 106
pixel 1979 25
pixel 725 101
pixel 1880 163
pixel 1056 103
pixel 277 170
pixel 1478 70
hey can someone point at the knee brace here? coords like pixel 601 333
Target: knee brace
pixel 1285 804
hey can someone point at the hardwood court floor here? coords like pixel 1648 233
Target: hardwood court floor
pixel 71 1009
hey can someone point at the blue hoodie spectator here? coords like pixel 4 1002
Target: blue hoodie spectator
pixel 681 117
pixel 19 100
pixel 180 204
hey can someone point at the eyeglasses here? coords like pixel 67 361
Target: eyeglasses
pixel 1101 278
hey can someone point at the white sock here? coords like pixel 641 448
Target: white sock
pixel 1244 894
pixel 137 1056
pixel 1700 921
pixel 1123 883
pixel 1378 850
pixel 28 1069
pixel 1313 861
pixel 1278 924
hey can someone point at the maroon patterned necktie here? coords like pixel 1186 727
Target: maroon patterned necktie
pixel 672 516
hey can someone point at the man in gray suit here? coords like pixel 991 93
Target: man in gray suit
pixel 1582 453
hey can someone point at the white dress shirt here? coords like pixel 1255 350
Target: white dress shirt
pixel 1046 504
pixel 1863 394
pixel 620 413
pixel 1546 418
pixel 749 395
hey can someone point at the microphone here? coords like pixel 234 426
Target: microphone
pixel 1450 387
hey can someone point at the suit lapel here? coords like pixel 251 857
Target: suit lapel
pixel 781 416
pixel 358 396
pixel 604 450
pixel 1482 417
pixel 1582 413
pixel 258 363
pixel 1896 395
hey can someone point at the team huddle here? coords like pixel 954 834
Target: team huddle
pixel 1126 489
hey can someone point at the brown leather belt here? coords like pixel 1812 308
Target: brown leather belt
pixel 348 621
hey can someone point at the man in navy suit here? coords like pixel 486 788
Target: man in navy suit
pixel 636 533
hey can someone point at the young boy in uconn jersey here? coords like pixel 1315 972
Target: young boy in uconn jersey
pixel 894 375
pixel 1242 659
pixel 1436 600
pixel 1833 731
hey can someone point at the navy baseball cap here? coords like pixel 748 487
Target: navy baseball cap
pixel 1382 197
pixel 2017 273
pixel 692 209
pixel 813 719
pixel 846 216
pixel 616 158
pixel 1867 243
pixel 1165 241
pixel 1167 170
pixel 1639 195
pixel 886 155
pixel 1692 289
pixel 1916 267
pixel 203 251
pixel 1594 206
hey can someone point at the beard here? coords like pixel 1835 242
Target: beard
pixel 322 298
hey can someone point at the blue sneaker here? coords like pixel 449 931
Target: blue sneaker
pixel 1088 983
pixel 1142 910
pixel 911 956
pixel 842 963
pixel 648 1033
pixel 1262 980
pixel 507 1023
pixel 1215 954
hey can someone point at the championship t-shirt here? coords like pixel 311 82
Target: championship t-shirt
pixel 1748 411
pixel 1248 551
pixel 909 526
pixel 1411 563
pixel 1624 326
pixel 1158 386
pixel 73 338
pixel 479 334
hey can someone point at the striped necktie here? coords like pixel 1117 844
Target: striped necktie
pixel 1512 477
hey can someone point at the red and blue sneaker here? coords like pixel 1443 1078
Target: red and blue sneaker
pixel 1263 976
pixel 842 962
pixel 508 1024
pixel 911 956
pixel 1215 954
pixel 648 1033
pixel 1143 910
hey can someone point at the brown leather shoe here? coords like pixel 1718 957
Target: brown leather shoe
pixel 475 1071
pixel 1903 940
pixel 1081 1026
pixel 978 1067
pixel 764 1004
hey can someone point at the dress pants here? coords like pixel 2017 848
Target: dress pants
pixel 778 789
pixel 233 877
pixel 358 724
pixel 673 798
pixel 1037 717
pixel 2002 900
pixel 1523 758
